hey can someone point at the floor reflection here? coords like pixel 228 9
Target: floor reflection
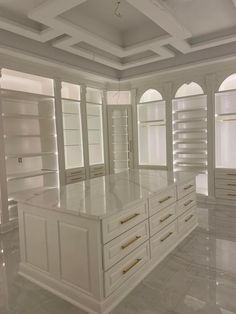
pixel 198 277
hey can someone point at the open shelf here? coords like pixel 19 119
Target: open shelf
pixel 30 174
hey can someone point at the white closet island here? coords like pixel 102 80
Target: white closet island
pixel 92 242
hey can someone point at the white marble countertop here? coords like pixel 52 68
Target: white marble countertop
pixel 104 196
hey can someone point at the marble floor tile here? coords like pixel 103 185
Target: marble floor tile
pixel 199 276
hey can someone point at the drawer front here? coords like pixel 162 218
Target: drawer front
pixel 120 247
pixel 162 219
pixel 226 194
pixel 187 220
pixel 162 200
pixel 119 273
pixel 97 168
pixel 227 174
pixel 75 172
pixel 114 226
pixel 185 189
pixel 97 174
pixel 225 184
pixel 186 203
pixel 164 239
pixel 74 179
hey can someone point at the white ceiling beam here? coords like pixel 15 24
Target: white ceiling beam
pixel 28 32
pixel 156 11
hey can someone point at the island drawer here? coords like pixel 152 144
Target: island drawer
pixel 186 188
pixel 115 225
pixel 163 240
pixel 121 246
pixel 187 220
pixel 122 271
pixel 186 203
pixel 162 219
pixel 162 200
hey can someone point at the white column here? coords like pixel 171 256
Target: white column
pixel 169 135
pixel 210 84
pixel 60 135
pixel 3 177
pixel 84 130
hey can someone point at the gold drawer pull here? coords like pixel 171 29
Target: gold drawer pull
pixel 130 242
pixel 190 217
pixel 165 218
pixel 231 184
pixel 230 194
pixel 231 174
pixel 129 218
pixel 125 271
pixel 187 203
pixel 165 199
pixel 166 237
pixel 188 187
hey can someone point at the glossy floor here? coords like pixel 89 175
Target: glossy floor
pixel 198 277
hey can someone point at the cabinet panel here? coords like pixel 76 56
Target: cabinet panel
pixel 162 219
pixel 162 200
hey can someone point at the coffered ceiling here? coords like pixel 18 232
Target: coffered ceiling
pixel 146 33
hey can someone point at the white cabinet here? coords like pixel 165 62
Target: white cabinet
pixel 111 254
pixel 190 133
pixel 29 136
pixel 151 112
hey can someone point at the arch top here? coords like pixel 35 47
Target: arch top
pixel 229 83
pixel 189 89
pixel 150 95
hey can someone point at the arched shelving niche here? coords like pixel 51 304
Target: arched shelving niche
pixel 151 115
pixel 189 109
pixel 225 124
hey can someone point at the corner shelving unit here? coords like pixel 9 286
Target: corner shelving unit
pixel 29 134
pixel 152 130
pixel 120 130
pixel 190 133
pixel 72 130
pixel 225 144
pixel 94 110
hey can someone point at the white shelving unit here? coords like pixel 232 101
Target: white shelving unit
pixel 190 133
pixel 72 130
pixel 120 130
pixel 29 134
pixel 94 110
pixel 152 129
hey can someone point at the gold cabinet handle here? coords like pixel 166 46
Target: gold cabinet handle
pixel 166 237
pixel 231 184
pixel 165 199
pixel 188 187
pixel 231 174
pixel 125 271
pixel 190 217
pixel 130 242
pixel 98 174
pixel 129 218
pixel 188 202
pixel 231 194
pixel 165 218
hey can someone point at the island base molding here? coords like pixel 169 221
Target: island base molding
pixel 86 302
